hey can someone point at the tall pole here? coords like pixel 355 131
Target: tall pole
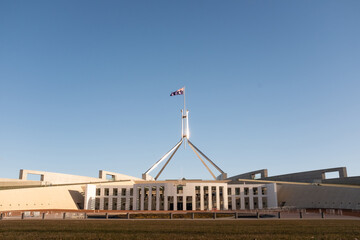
pixel 184 115
pixel 184 100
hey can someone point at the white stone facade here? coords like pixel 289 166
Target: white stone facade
pixel 180 196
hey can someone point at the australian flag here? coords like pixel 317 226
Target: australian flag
pixel 178 92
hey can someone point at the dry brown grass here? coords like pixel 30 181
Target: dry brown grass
pixel 180 229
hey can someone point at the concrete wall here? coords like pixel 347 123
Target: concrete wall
pixel 60 197
pixel 250 175
pixel 318 196
pixel 346 180
pixel 309 176
pixel 57 178
pixel 116 176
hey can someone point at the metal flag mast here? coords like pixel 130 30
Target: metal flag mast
pixel 185 135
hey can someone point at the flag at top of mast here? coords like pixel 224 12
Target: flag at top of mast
pixel 178 92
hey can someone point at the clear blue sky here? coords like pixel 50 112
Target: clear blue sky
pixel 84 85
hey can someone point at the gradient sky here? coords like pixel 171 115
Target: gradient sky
pixel 84 85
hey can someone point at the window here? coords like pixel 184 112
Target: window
pixel 97 203
pixel 106 192
pixel 229 191
pixel 237 191
pixel 256 205
pixel 98 192
pixel 255 191
pixel 238 203
pixel 115 191
pixel 264 190
pixel 131 191
pixel 110 177
pixel 106 203
pixel 229 203
pixel 246 191
pixel 179 189
pixel 114 204
pixel 123 192
pixel 264 202
pixel 123 203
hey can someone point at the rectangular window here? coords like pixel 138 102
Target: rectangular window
pixel 131 191
pixel 238 203
pixel 170 203
pixel 264 202
pixel 98 192
pixel 162 198
pixel 97 203
pixel 229 191
pixel 229 203
pixel 123 203
pixel 247 203
pixel 188 203
pixel 114 204
pixel 206 198
pixel 264 190
pixel 255 191
pixel 237 191
pixel 197 200
pixel 179 189
pixel 180 204
pixel 106 203
pixel 246 191
pixel 131 204
pixel 256 204
pixel 221 190
pixel 123 192
pixel 213 196
pixel 106 192
pixel 197 189
pixel 115 191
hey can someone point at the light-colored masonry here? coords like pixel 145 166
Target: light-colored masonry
pixel 180 195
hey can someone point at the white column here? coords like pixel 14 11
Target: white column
pixel 110 201
pixel 225 196
pixel 251 198
pixel 175 202
pixel 260 203
pixel 157 198
pixel 90 195
pixel 142 199
pixel 118 207
pixel 150 198
pixel 217 198
pixel 135 196
pixel 210 198
pixel 242 198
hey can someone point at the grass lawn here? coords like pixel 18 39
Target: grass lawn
pixel 180 229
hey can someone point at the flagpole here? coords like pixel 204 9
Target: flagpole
pixel 184 100
pixel 183 119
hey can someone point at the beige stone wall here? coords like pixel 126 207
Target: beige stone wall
pixel 59 197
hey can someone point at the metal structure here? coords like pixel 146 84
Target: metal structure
pixel 185 134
